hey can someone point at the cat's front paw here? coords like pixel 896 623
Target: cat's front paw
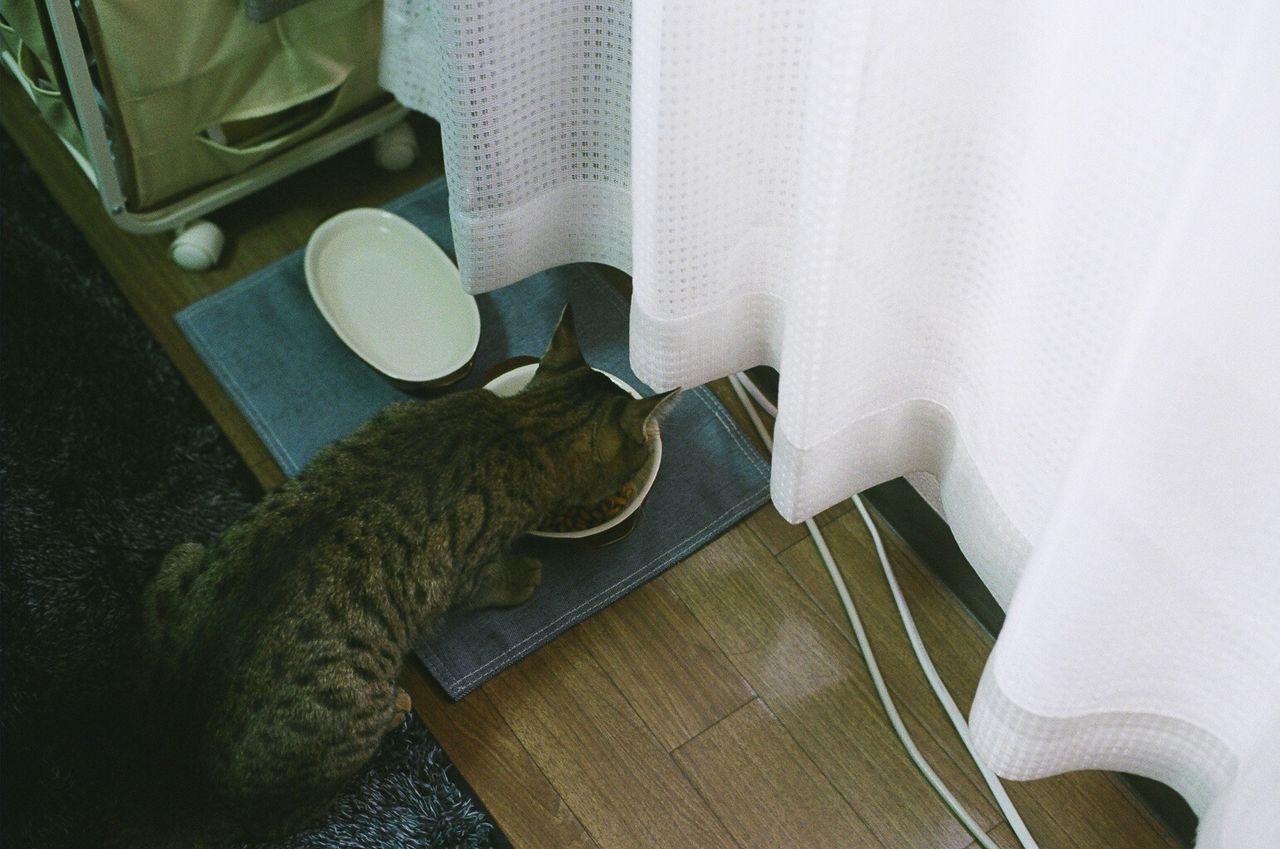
pixel 523 576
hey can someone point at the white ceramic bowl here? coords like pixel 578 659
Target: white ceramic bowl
pixel 393 296
pixel 509 383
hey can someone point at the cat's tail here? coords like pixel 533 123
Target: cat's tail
pixel 164 597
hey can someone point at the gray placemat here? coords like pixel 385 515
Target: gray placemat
pixel 300 388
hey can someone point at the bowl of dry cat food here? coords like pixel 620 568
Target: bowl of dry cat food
pixel 612 518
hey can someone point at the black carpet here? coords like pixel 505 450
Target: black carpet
pixel 107 460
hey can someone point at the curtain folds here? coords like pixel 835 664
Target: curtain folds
pixel 1028 254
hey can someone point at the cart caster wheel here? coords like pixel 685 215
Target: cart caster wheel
pixel 197 245
pixel 395 148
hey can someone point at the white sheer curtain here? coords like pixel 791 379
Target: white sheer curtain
pixel 1028 254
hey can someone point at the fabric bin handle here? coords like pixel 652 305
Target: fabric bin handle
pixel 256 133
pixel 31 68
pixel 36 78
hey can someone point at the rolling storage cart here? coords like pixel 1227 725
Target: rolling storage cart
pixel 175 108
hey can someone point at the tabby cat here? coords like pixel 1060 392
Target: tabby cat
pixel 279 645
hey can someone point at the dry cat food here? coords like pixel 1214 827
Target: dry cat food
pixel 585 516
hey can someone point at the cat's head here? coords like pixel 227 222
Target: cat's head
pixel 604 435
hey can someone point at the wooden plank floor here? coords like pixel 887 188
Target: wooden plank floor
pixel 724 704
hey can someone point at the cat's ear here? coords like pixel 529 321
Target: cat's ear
pixel 563 352
pixel 639 412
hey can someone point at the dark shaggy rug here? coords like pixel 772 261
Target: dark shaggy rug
pixel 107 460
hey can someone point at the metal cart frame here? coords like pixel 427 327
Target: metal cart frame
pixel 102 171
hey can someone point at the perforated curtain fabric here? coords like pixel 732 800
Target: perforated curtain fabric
pixel 533 100
pixel 1027 254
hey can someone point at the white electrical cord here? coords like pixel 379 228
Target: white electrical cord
pixel 765 403
pixel 944 697
pixel 1003 801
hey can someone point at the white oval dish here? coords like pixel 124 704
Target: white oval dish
pixel 511 382
pixel 393 296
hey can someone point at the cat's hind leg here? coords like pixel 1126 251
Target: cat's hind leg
pixel 505 583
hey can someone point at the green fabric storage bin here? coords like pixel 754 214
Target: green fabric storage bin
pixel 197 92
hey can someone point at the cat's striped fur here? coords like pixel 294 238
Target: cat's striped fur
pixel 280 643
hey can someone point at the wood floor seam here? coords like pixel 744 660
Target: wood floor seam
pixel 812 773
pixel 718 722
pixel 702 796
pixel 818 769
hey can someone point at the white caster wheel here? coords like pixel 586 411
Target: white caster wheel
pixel 197 245
pixel 395 148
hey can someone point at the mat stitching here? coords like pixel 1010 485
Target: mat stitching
pixel 735 433
pixel 697 538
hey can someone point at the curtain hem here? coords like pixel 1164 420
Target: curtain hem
pixel 578 222
pixel 1020 744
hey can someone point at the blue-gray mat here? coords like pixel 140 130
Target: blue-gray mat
pixel 300 388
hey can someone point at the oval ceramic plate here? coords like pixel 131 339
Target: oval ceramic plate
pixel 509 383
pixel 393 296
